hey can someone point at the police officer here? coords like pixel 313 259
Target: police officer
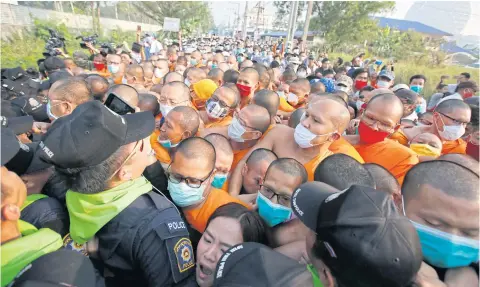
pixel 137 235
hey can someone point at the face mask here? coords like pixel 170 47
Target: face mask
pixel 184 195
pixel 425 150
pixel 244 90
pixel 49 111
pixel 219 180
pixel 302 74
pixel 113 69
pixel 303 137
pixel 124 81
pixel 215 110
pixel 360 84
pixel 383 85
pixel 292 98
pixel 446 250
pixel 272 213
pixel 193 62
pixel 467 95
pixel 157 72
pixel 214 66
pixel 165 109
pixel 451 133
pixel 166 143
pixel 239 59
pixel 418 109
pixel 416 89
pixel 187 82
pixel 99 66
pixel 370 136
pixel 236 131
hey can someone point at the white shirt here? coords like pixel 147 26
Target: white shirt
pixel 455 96
pixel 413 116
pixel 155 47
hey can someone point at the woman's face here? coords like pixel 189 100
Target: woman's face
pixel 221 234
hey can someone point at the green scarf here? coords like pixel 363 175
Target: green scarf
pixel 90 212
pixel 316 278
pixel 20 252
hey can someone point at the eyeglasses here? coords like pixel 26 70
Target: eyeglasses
pixel 112 63
pixel 222 103
pixel 241 121
pixel 134 151
pixel 381 126
pixel 167 101
pixel 269 193
pixel 455 121
pixel 190 181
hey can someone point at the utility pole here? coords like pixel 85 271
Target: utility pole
pixel 289 29
pixel 307 23
pixel 245 17
pixel 294 23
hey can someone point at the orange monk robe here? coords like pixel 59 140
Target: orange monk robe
pixel 238 156
pixel 393 156
pixel 198 217
pixel 456 146
pixel 171 66
pixel 161 153
pixel 270 127
pixel 343 146
pixel 312 164
pixel 285 106
pixel 220 123
pixel 118 80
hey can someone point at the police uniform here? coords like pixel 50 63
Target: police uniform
pixel 147 244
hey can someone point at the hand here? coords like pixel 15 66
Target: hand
pixel 428 277
pixel 462 276
pixel 89 45
pixel 278 119
pixel 40 127
pixel 60 51
pixel 250 199
pixel 352 126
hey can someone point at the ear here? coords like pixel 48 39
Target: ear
pixel 10 212
pixel 124 174
pixel 186 135
pixel 335 136
pixel 256 135
pixel 244 170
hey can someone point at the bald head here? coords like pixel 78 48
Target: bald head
pixel 127 93
pixel 290 167
pixel 136 71
pixel 172 77
pixel 216 75
pixel 72 91
pixel 452 106
pixel 223 66
pixel 230 76
pixel 176 91
pixel 148 102
pixel 338 113
pixel 342 171
pixel 461 159
pixel 246 64
pixel 189 119
pixel 196 149
pixel 384 101
pixel 302 85
pixel 258 117
pixel 250 72
pixel 259 155
pixel 317 87
pixel 221 143
pixel 98 85
pixel 295 117
pixel 267 99
pixel 196 74
pixel 451 178
pixel 264 76
pixel 383 179
pixel 429 139
pixel 315 97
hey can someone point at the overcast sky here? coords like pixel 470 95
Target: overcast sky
pixel 223 11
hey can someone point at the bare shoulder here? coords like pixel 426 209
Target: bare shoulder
pixel 221 130
pixel 415 131
pixel 281 131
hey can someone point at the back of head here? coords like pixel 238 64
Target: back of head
pixel 259 155
pixel 383 179
pixel 98 85
pixel 190 119
pixel 264 75
pixel 196 149
pixel 251 71
pixel 126 92
pixel 342 171
pixel 172 77
pixel 302 84
pixel 288 75
pixel 290 167
pixel 267 99
pixel 259 117
pixel 449 177
pixel 215 74
pixel 220 142
pixel 450 106
pixel 317 87
pixel 410 96
pixel 73 91
pixel 148 102
pixel 295 117
pixel 463 160
pixel 136 71
pixel 230 76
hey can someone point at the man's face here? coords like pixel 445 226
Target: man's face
pixel 455 117
pixel 298 91
pixel 253 176
pixel 426 119
pixel 11 184
pixel 408 106
pixel 232 62
pixel 172 130
pixel 223 162
pixel 326 64
pixel 245 117
pixel 174 97
pixel 248 79
pixel 418 82
pixel 197 56
pixel 434 208
pixel 180 68
pixel 387 80
pixel 58 107
pixel 141 157
pixel 461 79
pixel 197 170
pixel 224 98
pixel 318 120
pixel 381 118
pixel 126 59
pixel 280 183
pixel 362 77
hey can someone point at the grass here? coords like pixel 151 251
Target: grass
pixel 404 70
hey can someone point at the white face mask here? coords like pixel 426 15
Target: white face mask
pixel 187 82
pixel 124 81
pixel 292 98
pixel 158 73
pixel 215 110
pixel 451 133
pixel 236 131
pixel 304 137
pixel 165 109
pixel 383 84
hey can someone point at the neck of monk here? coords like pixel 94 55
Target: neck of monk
pixel 9 231
pixel 236 146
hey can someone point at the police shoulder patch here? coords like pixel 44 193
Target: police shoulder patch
pixel 69 244
pixel 184 253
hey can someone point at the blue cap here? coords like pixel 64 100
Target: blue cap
pixel 388 74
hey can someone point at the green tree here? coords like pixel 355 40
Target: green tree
pixel 283 11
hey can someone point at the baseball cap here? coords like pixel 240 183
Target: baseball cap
pixel 388 74
pixel 53 63
pixel 90 134
pixel 32 107
pixel 254 264
pixel 399 87
pixel 407 94
pixel 344 83
pixel 10 145
pixel 363 237
pixel 60 268
pixel 80 55
pixel 19 125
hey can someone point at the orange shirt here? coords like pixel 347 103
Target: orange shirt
pixel 161 153
pixel 220 123
pixel 238 156
pixel 198 217
pixel 456 146
pixel 171 66
pixel 118 80
pixel 393 156
pixel 343 146
pixel 312 164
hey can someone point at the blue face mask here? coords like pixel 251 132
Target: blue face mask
pixel 272 213
pixel 219 180
pixel 167 143
pixel 214 66
pixel 416 89
pixel 418 109
pixel 446 250
pixel 49 111
pixel 113 69
pixel 193 62
pixel 184 195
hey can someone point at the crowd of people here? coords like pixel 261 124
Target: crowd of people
pixel 222 162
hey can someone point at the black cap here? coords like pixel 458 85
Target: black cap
pixel 253 264
pixel 19 125
pixel 90 134
pixel 59 268
pixel 53 63
pixel 365 240
pixel 10 145
pixel 26 160
pixel 32 107
pixel 59 75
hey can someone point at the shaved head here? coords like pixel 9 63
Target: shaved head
pixel 315 97
pixel 386 101
pixel 295 117
pixel 290 167
pixel 342 171
pixel 301 84
pixel 383 179
pixel 463 160
pixel 176 90
pixel 267 99
pixel 136 71
pixel 195 149
pixel 230 76
pixel 451 178
pixel 220 142
pixel 338 112
pixel 251 71
pixel 451 106
pixel 259 155
pixel 258 116
pixel 196 74
pixel 317 87
pixel 189 121
pixel 172 77
pixel 148 102
pixel 216 75
pixel 246 64
pixel 264 77
pixel 127 93
pixel 98 85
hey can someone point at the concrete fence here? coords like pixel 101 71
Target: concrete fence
pixel 13 17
